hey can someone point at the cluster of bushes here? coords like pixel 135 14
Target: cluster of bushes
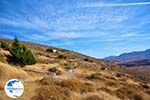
pixel 19 53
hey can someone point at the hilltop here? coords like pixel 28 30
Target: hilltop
pixel 91 78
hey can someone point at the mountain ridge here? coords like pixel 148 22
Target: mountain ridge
pixel 131 56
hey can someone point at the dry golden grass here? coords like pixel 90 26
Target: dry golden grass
pixel 8 72
pixel 52 93
pixel 71 84
pixel 93 97
pixel 129 93
pixel 51 90
pixel 2 60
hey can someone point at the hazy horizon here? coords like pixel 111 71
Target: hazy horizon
pixel 95 28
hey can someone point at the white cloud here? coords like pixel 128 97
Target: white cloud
pixel 127 35
pixel 113 4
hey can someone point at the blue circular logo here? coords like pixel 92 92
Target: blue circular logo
pixel 14 88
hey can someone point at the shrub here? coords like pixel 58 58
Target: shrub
pixel 118 75
pixel 86 59
pixel 93 76
pixel 53 69
pixel 4 45
pixel 103 68
pixel 49 50
pixel 20 54
pixel 62 57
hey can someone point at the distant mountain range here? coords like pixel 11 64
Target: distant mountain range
pixel 132 56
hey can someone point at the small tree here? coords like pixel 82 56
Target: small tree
pixel 20 54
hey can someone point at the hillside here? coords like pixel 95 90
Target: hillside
pixel 132 56
pixel 91 79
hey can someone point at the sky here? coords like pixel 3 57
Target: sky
pixel 98 28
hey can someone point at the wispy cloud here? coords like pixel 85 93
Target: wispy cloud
pixel 77 25
pixel 114 5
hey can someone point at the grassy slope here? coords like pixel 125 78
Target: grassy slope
pixel 93 80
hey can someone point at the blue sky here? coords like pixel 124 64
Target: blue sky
pixel 97 28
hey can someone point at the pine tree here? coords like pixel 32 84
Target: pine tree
pixel 20 54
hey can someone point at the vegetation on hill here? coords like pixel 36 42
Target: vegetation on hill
pixel 20 54
pixel 49 50
pixel 4 45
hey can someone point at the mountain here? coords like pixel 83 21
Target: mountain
pixel 132 56
pixel 77 77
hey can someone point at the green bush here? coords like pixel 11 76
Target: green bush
pixel 49 50
pixel 20 54
pixel 86 59
pixel 4 45
pixel 62 56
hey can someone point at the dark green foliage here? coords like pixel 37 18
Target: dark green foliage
pixel 20 54
pixel 4 45
pixel 49 50
pixel 62 57
pixel 86 59
pixel 53 69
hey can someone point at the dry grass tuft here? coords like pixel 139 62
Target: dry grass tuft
pixel 2 60
pixel 77 86
pixel 111 83
pixel 1 98
pixel 128 93
pixel 95 76
pixel 93 97
pixel 71 84
pixel 52 93
pixel 8 72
